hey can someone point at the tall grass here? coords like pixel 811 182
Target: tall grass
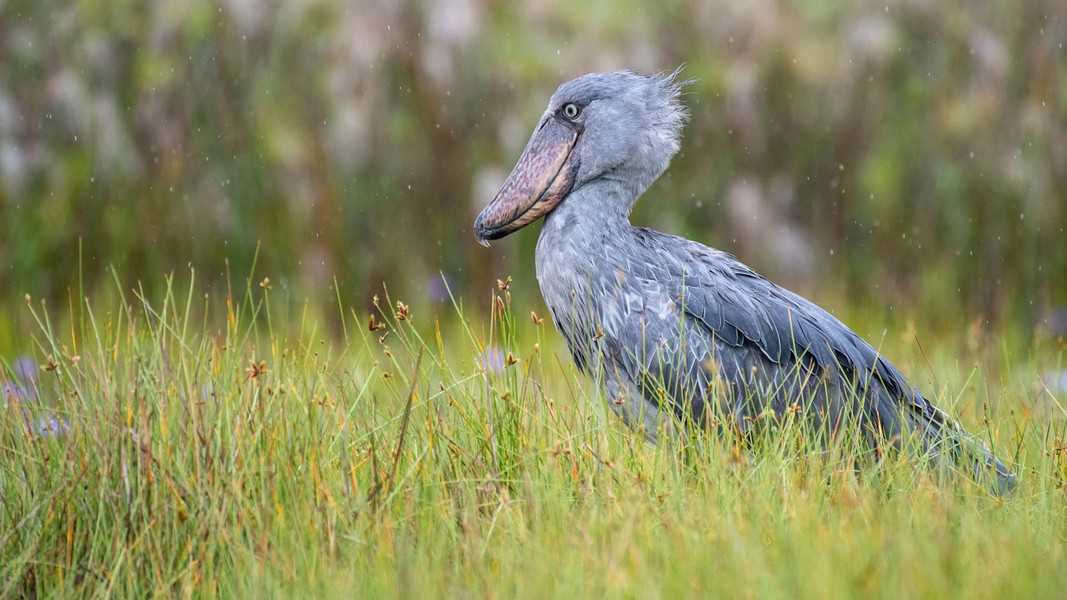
pixel 198 446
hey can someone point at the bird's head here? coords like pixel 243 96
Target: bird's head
pixel 619 126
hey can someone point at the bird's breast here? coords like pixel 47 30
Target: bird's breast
pixel 598 300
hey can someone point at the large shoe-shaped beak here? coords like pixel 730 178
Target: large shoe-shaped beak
pixel 542 178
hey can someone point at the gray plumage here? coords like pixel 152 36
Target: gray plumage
pixel 672 327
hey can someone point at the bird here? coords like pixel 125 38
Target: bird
pixel 676 332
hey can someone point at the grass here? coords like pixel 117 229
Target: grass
pixel 192 446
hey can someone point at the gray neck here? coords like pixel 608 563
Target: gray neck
pixel 598 206
pixel 577 237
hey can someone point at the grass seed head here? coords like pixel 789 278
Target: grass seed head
pixel 256 369
pixel 373 325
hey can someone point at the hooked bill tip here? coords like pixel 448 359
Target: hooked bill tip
pixel 480 231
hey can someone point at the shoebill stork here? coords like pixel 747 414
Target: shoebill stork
pixel 676 330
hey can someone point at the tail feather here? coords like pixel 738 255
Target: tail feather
pixel 953 448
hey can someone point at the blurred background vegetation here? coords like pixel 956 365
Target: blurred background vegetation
pixel 903 154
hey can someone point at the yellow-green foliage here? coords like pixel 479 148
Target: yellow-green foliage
pixel 359 139
pixel 221 447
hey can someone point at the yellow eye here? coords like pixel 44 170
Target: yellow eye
pixel 571 110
